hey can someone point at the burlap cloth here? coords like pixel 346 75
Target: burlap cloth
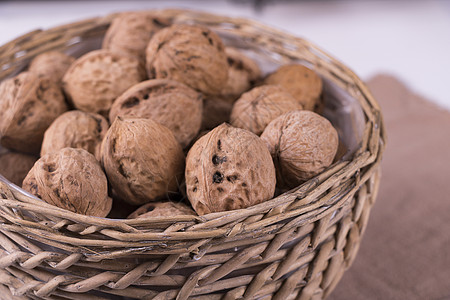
pixel 405 252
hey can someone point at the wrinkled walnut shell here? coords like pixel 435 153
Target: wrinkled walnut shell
pixel 52 64
pixel 228 168
pixel 97 78
pixel 302 144
pixel 161 209
pixel 15 166
pixel 243 72
pixel 71 179
pixel 142 159
pixel 301 82
pixel 75 129
pixel 170 103
pixel 130 33
pixel 256 108
pixel 193 55
pixel 28 105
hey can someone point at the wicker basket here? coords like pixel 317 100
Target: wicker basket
pixel 296 245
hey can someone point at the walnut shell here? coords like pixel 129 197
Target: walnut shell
pixel 228 168
pixel 302 144
pixel 97 78
pixel 256 108
pixel 28 105
pixel 53 64
pixel 15 166
pixel 193 55
pixel 170 103
pixel 142 159
pixel 243 72
pixel 161 209
pixel 130 33
pixel 75 129
pixel 301 82
pixel 71 179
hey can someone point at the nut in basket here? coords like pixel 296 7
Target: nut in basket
pixel 297 244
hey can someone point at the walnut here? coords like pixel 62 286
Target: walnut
pixel 28 105
pixel 130 33
pixel 53 64
pixel 75 129
pixel 193 55
pixel 228 168
pixel 97 78
pixel 170 103
pixel 142 159
pixel 185 151
pixel 302 144
pixel 243 72
pixel 161 209
pixel 15 166
pixel 303 83
pixel 256 108
pixel 71 179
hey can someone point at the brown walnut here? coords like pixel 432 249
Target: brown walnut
pixel 28 105
pixel 53 64
pixel 97 78
pixel 142 159
pixel 161 209
pixel 191 54
pixel 301 82
pixel 302 144
pixel 130 32
pixel 15 166
pixel 75 129
pixel 242 74
pixel 71 179
pixel 228 168
pixel 170 103
pixel 256 108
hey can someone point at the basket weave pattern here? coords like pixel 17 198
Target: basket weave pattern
pixel 295 246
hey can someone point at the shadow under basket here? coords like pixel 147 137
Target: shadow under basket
pixel 295 246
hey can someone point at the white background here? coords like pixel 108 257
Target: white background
pixel 408 39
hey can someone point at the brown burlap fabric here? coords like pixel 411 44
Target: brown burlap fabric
pixel 405 253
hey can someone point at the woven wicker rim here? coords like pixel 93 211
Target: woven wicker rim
pixel 300 203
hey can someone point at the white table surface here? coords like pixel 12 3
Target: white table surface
pixel 408 39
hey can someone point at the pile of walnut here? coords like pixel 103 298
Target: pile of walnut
pixel 162 112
